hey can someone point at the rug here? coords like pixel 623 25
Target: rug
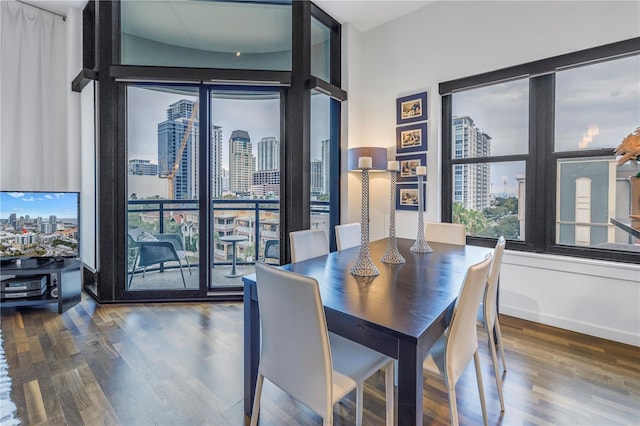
pixel 7 407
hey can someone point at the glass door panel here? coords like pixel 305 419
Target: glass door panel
pixel 162 186
pixel 321 146
pixel 245 182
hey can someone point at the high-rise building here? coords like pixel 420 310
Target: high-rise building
pixel 53 219
pixel 266 181
pixel 216 162
pixel 12 219
pixel 471 182
pixel 269 154
pixel 142 167
pixel 170 136
pixel 242 163
pixel 317 174
pixel 224 177
pixel 326 166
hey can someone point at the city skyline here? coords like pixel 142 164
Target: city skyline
pixel 258 116
pixel 39 204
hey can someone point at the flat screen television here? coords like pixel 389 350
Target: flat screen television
pixel 38 225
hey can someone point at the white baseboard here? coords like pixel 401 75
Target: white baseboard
pixel 568 324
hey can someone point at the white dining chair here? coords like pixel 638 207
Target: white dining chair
pixel 488 314
pixel 443 232
pixel 348 235
pixel 454 349
pixel 308 243
pixel 301 357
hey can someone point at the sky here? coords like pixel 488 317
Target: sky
pixel 595 108
pixel 39 204
pixel 259 117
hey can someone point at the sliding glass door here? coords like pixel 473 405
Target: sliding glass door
pixel 166 179
pixel 245 182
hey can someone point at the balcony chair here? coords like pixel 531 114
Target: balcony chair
pixel 488 314
pixel 299 355
pixel 443 232
pixel 152 249
pixel 451 353
pixel 348 235
pixel 271 253
pixel 307 244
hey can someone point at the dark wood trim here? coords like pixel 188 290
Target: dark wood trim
pixel 335 117
pixel 84 77
pixel 544 66
pixel 539 174
pixel 446 207
pixel 328 89
pixel 496 159
pixel 297 179
pixel 199 75
pixel 204 190
pixel 89 35
pixel 109 207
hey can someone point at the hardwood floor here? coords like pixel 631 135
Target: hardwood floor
pixel 178 364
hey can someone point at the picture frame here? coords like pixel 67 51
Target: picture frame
pixel 408 164
pixel 412 108
pixel 407 197
pixel 411 138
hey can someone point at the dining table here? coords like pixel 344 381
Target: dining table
pixel 401 312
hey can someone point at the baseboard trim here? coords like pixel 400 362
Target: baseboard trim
pixel 577 326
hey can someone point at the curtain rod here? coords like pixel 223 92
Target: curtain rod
pixel 63 16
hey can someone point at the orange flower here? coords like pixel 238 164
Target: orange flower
pixel 629 149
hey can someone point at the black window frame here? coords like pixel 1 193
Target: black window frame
pixel 103 20
pixel 540 196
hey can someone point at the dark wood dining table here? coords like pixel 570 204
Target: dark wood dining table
pixel 400 312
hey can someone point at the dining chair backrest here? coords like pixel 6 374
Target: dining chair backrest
pixel 295 354
pixel 308 243
pixel 443 232
pixel 462 337
pixel 348 235
pixel 491 294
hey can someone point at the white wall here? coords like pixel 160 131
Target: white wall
pixel 449 40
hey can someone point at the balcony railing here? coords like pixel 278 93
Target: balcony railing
pixel 147 214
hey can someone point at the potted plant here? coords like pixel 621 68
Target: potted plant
pixel 629 150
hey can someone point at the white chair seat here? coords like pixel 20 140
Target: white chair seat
pixel 354 360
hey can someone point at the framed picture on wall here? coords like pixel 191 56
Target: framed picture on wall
pixel 412 108
pixel 408 164
pixel 411 138
pixel 407 196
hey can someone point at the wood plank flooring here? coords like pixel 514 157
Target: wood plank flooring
pixel 181 364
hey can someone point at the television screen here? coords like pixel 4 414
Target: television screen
pixel 39 224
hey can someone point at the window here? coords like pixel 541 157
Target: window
pixel 533 158
pixel 490 124
pixel 252 35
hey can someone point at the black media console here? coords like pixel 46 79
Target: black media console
pixel 23 282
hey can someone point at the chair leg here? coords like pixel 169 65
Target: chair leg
pixel 476 360
pixel 499 335
pixel 188 264
pixel 255 413
pixel 359 397
pixel 390 392
pixel 133 268
pixel 496 368
pixel 453 406
pixel 184 283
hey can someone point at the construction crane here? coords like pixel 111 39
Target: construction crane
pixel 171 174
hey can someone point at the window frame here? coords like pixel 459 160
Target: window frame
pixel 541 160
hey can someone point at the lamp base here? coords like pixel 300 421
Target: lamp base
pixel 421 246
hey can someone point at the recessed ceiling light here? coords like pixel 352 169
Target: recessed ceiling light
pixel 237 53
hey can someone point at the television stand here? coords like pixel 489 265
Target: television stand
pixel 63 275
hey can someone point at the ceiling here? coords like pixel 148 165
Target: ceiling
pixel 367 14
pixel 362 14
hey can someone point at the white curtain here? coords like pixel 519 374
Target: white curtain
pixel 33 100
